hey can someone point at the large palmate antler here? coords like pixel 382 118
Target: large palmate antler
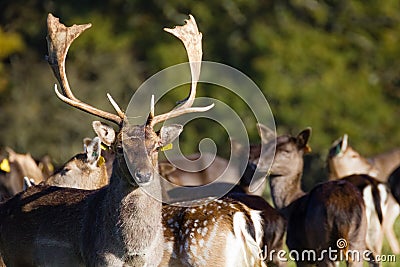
pixel 191 38
pixel 59 39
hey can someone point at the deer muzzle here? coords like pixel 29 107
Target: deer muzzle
pixel 143 176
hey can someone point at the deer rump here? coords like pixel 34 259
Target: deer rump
pixel 325 217
pixel 374 193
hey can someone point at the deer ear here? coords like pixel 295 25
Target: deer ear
pixel 170 133
pixel 93 151
pixel 104 132
pixel 11 154
pixel 345 143
pixel 302 139
pixel 265 133
pixel 86 143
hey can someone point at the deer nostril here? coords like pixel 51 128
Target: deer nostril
pixel 143 176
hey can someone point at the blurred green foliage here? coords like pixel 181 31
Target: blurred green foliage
pixel 331 65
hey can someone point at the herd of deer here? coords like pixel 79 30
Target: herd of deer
pixel 96 209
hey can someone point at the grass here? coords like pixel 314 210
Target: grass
pixel 386 248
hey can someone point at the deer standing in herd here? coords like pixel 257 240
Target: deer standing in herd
pixel 343 160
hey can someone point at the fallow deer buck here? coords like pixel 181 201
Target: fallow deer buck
pixel 126 227
pixel 343 160
pixel 331 211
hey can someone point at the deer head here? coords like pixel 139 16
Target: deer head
pixel 136 145
pixel 343 160
pixel 289 152
pixel 85 170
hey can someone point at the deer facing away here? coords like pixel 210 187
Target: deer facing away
pixel 318 219
pixel 344 160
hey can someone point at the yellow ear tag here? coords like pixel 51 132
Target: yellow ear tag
pixel 101 161
pixel 167 147
pixel 103 146
pixel 5 165
pixel 307 149
pixel 50 167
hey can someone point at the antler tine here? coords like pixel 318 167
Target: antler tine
pixel 191 38
pixel 59 39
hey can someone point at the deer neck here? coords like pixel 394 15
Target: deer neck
pixel 134 212
pixel 385 163
pixel 285 189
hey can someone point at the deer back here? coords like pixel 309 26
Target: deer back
pixel 199 169
pixel 219 232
